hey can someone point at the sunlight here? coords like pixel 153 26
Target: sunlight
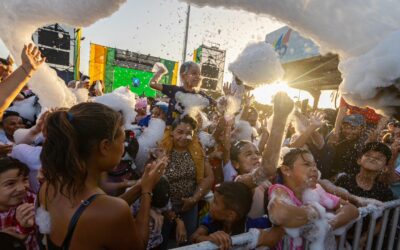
pixel 264 94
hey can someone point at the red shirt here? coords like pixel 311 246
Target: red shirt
pixel 370 115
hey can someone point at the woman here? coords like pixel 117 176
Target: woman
pixel 81 144
pixel 189 177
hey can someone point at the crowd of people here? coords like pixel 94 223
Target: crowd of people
pixel 77 177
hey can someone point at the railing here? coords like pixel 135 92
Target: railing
pixel 389 213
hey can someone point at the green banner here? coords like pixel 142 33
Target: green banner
pixel 137 80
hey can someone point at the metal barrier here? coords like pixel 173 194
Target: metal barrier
pixel 385 216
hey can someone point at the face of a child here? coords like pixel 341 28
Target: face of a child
pixel 192 77
pixel 13 187
pixel 304 171
pixel 156 112
pixel 373 161
pixel 217 208
pixel 248 159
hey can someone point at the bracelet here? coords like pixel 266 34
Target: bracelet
pixel 26 72
pixel 149 193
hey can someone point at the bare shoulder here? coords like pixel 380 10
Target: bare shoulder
pixel 111 208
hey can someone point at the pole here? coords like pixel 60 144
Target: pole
pixel 186 34
pixel 77 52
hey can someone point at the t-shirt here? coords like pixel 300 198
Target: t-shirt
pixel 213 226
pixel 378 192
pixel 170 91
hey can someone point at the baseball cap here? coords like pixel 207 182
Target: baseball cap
pixel 163 106
pixel 354 120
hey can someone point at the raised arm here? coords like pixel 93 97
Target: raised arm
pixel 12 85
pixel 283 105
pixel 310 133
pixel 156 78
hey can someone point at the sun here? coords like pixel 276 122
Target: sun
pixel 264 94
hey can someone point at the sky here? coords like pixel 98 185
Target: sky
pixel 157 27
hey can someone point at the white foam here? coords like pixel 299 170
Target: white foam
pixel 257 64
pixel 20 18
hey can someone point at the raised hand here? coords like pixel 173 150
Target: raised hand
pixel 31 57
pixel 283 105
pixel 248 98
pixel 152 174
pixel 316 119
pixel 228 90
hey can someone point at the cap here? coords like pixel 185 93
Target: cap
pixel 163 106
pixel 354 120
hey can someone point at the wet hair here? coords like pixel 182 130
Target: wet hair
pixel 289 159
pixel 70 138
pixel 236 196
pixel 186 66
pixel 9 163
pixel 236 149
pixel 292 155
pixel 377 147
pixel 161 193
pixel 185 119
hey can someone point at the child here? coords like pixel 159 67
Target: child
pixel 286 208
pixel 17 214
pixel 373 159
pixel 227 216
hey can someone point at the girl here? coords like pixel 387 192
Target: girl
pixel 80 144
pixel 298 173
pixel 245 158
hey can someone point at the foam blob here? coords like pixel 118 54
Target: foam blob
pixel 121 100
pixel 257 64
pixel 27 108
pixel 206 139
pixel 242 131
pixel 81 94
pixel 372 78
pixel 190 104
pixel 148 139
pixel 20 18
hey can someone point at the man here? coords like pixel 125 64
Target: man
pixel 10 123
pixel 340 153
pixel 191 78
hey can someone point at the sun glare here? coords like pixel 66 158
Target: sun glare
pixel 264 94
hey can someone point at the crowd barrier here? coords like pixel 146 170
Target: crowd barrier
pixel 387 216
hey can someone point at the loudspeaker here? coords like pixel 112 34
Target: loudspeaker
pixel 208 83
pixel 57 39
pixel 209 70
pixel 55 56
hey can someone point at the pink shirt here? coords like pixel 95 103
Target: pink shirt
pixel 327 200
